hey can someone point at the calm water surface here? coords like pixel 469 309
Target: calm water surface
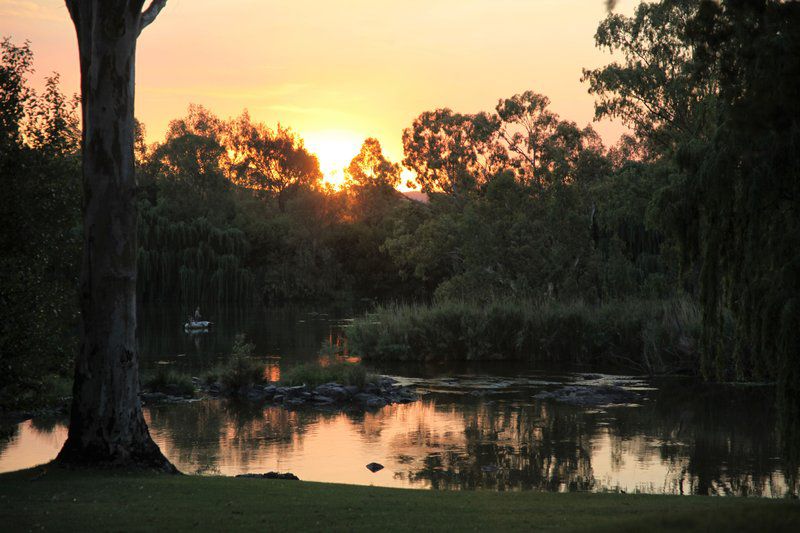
pixel 474 427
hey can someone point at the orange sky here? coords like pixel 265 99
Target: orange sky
pixel 340 71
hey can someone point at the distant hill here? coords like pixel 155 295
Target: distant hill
pixel 417 196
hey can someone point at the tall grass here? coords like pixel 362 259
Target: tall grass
pixel 168 381
pixel 652 336
pixel 313 374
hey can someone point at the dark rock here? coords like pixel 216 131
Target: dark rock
pixel 256 393
pixel 376 403
pixel 329 395
pixel 154 396
pixel 319 398
pixel 587 395
pixel 172 390
pixel 407 395
pixel 272 475
pixel 294 402
pixel 370 401
pixel 333 390
pixel 374 467
pixel 291 392
pixel 363 397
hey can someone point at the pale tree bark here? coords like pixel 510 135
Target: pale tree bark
pixel 107 426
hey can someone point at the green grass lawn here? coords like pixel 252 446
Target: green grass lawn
pixel 50 498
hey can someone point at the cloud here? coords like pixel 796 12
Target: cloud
pixel 29 9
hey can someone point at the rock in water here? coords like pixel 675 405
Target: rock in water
pixel 370 401
pixel 374 467
pixel 272 475
pixel 590 395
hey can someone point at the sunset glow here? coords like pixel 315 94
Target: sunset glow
pixel 291 62
pixel 334 149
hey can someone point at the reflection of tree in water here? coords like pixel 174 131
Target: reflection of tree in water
pixel 713 439
pixel 716 440
pixel 210 433
pixel 185 431
pixel 294 332
pixel 204 436
pixel 509 446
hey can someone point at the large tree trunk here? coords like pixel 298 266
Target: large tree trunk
pixel 107 425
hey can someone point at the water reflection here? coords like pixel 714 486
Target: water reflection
pixel 680 440
pixel 282 336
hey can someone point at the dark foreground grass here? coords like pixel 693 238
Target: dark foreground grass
pixel 53 499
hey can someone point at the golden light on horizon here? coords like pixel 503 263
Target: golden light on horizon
pixel 334 149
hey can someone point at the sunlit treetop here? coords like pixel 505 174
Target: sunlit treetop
pixel 370 167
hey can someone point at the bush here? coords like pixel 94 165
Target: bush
pixel 644 335
pixel 313 374
pixel 241 371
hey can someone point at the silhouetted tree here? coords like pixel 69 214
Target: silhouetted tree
pixel 273 161
pixel 747 181
pixel 188 168
pixel 654 90
pixel 526 124
pixel 451 152
pixel 371 168
pixel 39 217
pixel 106 421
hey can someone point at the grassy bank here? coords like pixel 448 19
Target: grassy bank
pixel 102 501
pixel 654 336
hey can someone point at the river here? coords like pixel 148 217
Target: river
pixel 475 426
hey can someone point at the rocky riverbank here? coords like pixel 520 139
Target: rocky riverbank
pixel 385 391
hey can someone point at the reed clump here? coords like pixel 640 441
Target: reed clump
pixel 653 336
pixel 314 374
pixel 168 381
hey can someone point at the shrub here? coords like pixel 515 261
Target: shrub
pixel 240 371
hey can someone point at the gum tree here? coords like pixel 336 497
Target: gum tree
pixel 107 425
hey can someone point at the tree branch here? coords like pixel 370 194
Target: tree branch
pixel 150 14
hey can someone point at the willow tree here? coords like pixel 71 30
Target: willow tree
pixel 106 424
pixel 748 179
